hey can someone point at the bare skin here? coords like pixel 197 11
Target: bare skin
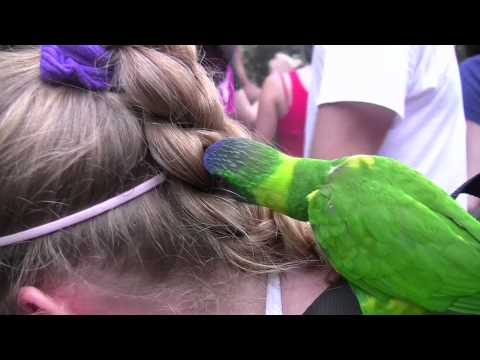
pixel 301 287
pixel 245 112
pixel 349 128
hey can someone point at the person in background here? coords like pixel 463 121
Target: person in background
pixel 282 62
pixel 217 61
pixel 470 75
pixel 403 102
pixel 247 110
pixel 252 91
pixel 283 105
pixel 225 64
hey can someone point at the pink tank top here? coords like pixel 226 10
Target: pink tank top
pixel 291 127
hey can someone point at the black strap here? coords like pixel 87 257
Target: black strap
pixel 337 300
pixel 471 187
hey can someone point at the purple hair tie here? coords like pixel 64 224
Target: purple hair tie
pixel 85 66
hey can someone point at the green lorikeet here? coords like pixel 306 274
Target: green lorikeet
pixel 404 245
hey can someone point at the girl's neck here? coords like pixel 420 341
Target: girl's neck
pixel 301 287
pixel 224 293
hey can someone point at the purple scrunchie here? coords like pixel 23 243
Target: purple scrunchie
pixel 80 65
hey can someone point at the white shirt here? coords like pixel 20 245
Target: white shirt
pixel 420 83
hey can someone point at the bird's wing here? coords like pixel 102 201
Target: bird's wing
pixel 436 199
pixel 395 246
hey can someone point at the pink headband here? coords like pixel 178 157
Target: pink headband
pixel 83 215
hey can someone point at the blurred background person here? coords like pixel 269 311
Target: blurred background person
pixel 238 92
pixel 217 60
pixel 282 62
pixel 470 75
pixel 247 112
pixel 404 102
pixel 246 97
pixel 252 91
pixel 283 104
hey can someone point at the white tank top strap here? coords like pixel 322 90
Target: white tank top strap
pixel 274 295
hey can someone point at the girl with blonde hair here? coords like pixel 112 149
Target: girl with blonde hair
pixel 105 205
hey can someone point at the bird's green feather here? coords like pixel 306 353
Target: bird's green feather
pixel 395 243
pixel 262 175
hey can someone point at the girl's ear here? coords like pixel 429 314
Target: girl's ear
pixel 31 300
